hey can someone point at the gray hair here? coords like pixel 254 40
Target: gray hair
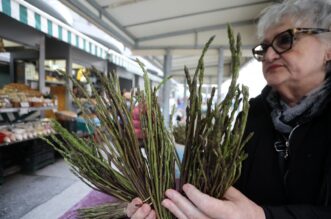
pixel 314 12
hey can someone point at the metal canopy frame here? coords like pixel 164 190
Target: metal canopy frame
pixel 154 46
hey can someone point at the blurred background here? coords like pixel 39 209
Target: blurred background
pixel 42 41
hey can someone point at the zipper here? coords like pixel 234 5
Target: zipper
pixel 287 142
pixel 287 147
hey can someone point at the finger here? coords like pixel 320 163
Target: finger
pixel 167 203
pixel 208 205
pixel 151 215
pixel 142 212
pixel 183 204
pixel 233 194
pixel 132 206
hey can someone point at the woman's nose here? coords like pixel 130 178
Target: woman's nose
pixel 271 54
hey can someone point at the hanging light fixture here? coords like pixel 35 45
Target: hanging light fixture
pixel 2 45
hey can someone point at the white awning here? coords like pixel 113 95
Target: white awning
pixel 34 17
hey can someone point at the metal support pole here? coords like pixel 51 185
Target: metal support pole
pixel 11 70
pixel 42 64
pixel 220 74
pixel 167 87
pixel 69 82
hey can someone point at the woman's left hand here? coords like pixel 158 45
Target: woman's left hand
pixel 199 205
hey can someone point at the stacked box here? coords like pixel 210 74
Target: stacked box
pixel 1 170
pixel 38 154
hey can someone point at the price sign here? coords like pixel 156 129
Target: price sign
pixel 25 104
pixel 24 108
pixel 23 111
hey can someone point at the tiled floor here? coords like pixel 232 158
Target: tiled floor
pixel 46 194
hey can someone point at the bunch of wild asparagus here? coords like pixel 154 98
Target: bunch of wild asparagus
pixel 113 161
pixel 214 142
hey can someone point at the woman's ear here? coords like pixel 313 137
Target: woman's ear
pixel 328 54
pixel 328 50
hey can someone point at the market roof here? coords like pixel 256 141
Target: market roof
pixel 32 16
pixel 150 28
pixel 38 17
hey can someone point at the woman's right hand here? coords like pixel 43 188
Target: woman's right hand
pixel 138 210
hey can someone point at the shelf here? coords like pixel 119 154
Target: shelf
pixel 50 82
pixel 56 82
pixel 16 142
pixel 27 109
pixel 23 140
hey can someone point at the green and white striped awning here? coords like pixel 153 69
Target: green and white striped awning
pixel 130 65
pixel 34 17
pixel 124 62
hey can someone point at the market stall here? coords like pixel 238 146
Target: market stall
pixel 45 50
pixel 22 107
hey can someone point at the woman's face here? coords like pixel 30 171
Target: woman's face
pixel 301 67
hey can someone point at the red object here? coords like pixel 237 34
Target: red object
pixel 137 123
pixel 2 137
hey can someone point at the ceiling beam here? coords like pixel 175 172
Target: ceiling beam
pixel 194 30
pixel 119 3
pixel 193 47
pixel 156 61
pixel 104 12
pixel 82 10
pixel 196 13
pixel 156 64
pixel 191 68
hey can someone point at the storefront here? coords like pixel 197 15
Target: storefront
pixel 38 51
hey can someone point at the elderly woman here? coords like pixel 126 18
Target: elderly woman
pixel 288 170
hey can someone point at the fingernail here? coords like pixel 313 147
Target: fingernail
pixel 186 186
pixel 164 203
pixel 169 193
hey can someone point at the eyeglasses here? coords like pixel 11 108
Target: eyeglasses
pixel 283 41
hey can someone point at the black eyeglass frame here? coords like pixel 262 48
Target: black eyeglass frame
pixel 292 32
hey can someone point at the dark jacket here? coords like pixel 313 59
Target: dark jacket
pixel 304 190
